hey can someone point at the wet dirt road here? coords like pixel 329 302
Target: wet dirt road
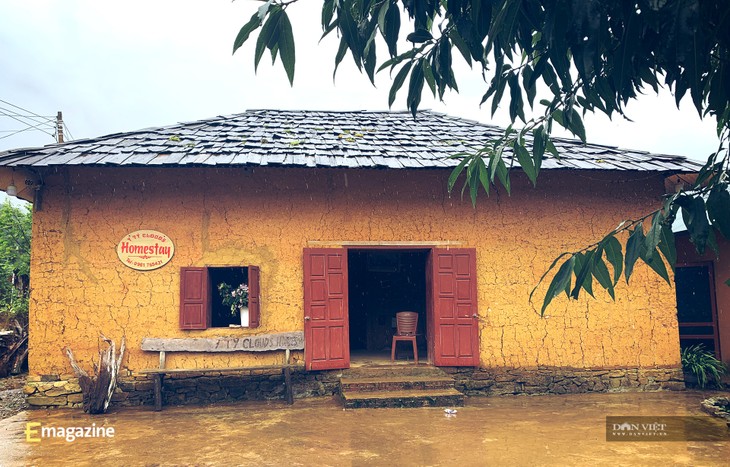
pixel 538 430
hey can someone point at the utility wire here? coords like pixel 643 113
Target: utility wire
pixel 30 127
pixel 16 116
pixel 68 130
pixel 20 108
pixel 36 121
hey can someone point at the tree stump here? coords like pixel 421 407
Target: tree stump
pixel 98 389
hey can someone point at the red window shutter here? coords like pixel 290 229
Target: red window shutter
pixel 194 298
pixel 254 296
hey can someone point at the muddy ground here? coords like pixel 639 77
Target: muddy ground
pixel 12 399
pixel 521 430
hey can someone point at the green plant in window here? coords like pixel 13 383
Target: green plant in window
pixel 701 363
pixel 234 298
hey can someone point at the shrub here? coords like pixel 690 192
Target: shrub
pixel 701 363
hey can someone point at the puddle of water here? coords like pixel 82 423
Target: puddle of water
pixel 537 430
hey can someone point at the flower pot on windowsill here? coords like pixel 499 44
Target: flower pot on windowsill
pixel 244 316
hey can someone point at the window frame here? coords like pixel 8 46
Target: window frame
pixel 196 297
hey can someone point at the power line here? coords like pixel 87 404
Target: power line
pixel 68 130
pixel 34 121
pixel 22 130
pixel 20 108
pixel 16 116
pixel 30 126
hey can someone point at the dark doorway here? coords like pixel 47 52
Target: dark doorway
pixel 696 310
pixel 382 283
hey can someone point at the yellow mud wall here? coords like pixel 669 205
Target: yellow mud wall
pixel 266 216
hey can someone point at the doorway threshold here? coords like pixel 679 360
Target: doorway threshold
pixel 360 359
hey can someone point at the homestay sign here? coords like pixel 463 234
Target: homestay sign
pixel 145 250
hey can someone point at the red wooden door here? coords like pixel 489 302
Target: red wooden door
pixel 455 327
pixel 326 328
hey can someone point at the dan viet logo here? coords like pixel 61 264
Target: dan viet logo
pixel 665 428
pixel 36 431
pixel 639 429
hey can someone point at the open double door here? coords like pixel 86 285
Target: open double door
pixel 451 307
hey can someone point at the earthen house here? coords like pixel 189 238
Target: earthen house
pixel 335 221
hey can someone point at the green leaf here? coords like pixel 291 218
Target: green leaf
pixel 503 174
pixel 428 74
pixel 341 51
pixel 523 157
pixel 398 82
pixel 583 266
pixel 286 47
pixel 633 250
pixel 382 15
pixel 654 260
pixel 396 60
pixel 370 59
pixel 516 104
pixel 456 172
pixel 392 29
pixel 694 216
pixel 538 146
pixel 560 283
pixel 575 125
pixel 418 36
pixel 415 88
pixel 654 234
pixel 461 46
pixel 718 208
pixel 483 175
pixel 615 257
pixel 328 11
pixel 727 282
pixel 268 31
pixel 600 271
pixel 253 24
pixel 667 247
pixel 550 147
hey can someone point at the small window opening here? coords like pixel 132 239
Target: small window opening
pixel 221 314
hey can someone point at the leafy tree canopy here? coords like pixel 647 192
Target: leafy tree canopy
pixel 592 56
pixel 15 225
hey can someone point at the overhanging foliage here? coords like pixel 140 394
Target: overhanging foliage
pixel 592 56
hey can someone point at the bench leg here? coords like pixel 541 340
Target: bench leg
pixel 158 391
pixel 287 383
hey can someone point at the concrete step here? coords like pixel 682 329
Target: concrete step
pixel 403 399
pixel 395 383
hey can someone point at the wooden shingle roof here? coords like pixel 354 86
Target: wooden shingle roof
pixel 356 139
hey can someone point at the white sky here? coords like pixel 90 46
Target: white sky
pixel 121 66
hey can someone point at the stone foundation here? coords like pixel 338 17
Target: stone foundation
pixel 191 388
pixel 197 388
pixel 512 381
pixel 53 391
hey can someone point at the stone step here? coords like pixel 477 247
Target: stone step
pixel 395 383
pixel 393 371
pixel 403 399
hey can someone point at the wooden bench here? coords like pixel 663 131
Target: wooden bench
pixel 287 341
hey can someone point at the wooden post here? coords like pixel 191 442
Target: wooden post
pixel 59 127
pixel 162 360
pixel 158 391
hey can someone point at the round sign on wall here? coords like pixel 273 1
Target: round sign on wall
pixel 145 250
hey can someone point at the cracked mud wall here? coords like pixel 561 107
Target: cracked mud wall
pixel 266 216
